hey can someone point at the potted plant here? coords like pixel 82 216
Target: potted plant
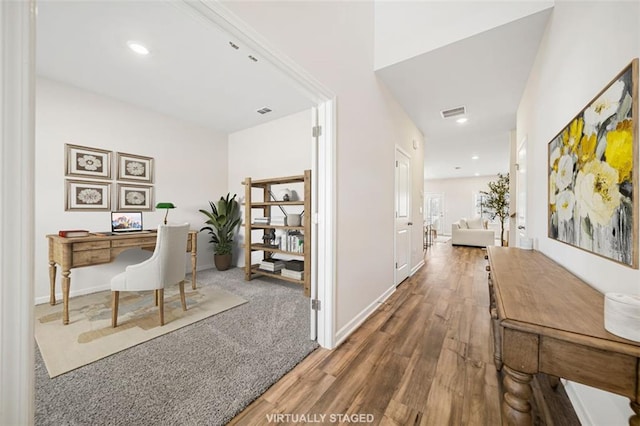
pixel 496 201
pixel 223 219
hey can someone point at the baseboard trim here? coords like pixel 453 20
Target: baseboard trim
pixel 356 322
pixel 81 292
pixel 417 268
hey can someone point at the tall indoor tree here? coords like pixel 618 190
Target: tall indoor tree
pixel 496 201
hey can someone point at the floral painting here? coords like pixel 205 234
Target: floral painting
pixel 135 168
pixel 88 195
pixel 87 162
pixel 135 197
pixel 593 181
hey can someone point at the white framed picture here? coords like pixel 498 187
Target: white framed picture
pixel 135 168
pixel 86 162
pixel 135 197
pixel 87 196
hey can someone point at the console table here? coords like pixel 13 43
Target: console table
pixel 78 252
pixel 548 320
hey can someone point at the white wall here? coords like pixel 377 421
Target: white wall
pixel 458 196
pixel 190 169
pixel 334 41
pixel 572 66
pixel 278 148
pixel 404 29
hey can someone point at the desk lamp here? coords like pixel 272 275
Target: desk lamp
pixel 165 206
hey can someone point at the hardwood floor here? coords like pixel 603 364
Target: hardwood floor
pixel 423 358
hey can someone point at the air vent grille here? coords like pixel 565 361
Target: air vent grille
pixel 264 110
pixel 453 112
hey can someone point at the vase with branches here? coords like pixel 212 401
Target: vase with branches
pixel 496 201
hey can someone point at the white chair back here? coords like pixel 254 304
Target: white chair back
pixel 171 247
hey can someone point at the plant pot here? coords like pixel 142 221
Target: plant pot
pixel 222 261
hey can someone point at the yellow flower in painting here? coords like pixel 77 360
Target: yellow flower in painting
pixel 596 192
pixel 619 151
pixel 587 148
pixel 572 135
pixel 554 157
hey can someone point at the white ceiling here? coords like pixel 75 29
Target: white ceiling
pixel 485 73
pixel 191 73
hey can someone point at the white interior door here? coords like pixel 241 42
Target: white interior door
pixel 521 193
pixel 403 217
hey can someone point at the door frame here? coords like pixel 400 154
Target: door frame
pixel 398 149
pixel 323 164
pixel 17 105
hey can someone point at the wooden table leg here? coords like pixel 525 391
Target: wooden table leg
pixel 194 260
pixel 52 282
pixel 635 419
pixel 516 409
pixel 193 270
pixel 66 284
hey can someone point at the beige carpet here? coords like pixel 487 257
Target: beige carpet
pixel 89 336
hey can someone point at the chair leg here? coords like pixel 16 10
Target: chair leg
pixel 156 297
pixel 160 293
pixel 183 299
pixel 115 296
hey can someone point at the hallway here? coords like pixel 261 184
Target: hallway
pixel 424 357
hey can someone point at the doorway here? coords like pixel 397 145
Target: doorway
pixel 434 212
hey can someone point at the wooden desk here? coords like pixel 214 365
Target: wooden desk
pixel 548 320
pixel 95 250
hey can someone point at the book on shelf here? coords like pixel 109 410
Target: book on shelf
pixel 70 233
pixel 261 221
pixel 292 242
pixel 271 265
pixel 294 265
pixel 298 275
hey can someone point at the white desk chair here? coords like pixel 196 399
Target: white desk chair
pixel 165 267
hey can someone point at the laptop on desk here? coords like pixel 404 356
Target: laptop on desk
pixel 126 222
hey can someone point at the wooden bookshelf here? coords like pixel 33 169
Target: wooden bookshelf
pixel 265 205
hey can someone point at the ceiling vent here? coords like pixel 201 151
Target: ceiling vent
pixel 264 110
pixel 453 112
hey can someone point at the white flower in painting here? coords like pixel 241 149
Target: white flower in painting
pixel 552 187
pixel 135 197
pixel 596 191
pixel 135 168
pixel 564 205
pixel 565 172
pixel 602 108
pixel 89 196
pixel 89 162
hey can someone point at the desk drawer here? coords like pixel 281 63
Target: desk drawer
pixel 90 257
pixel 90 245
pixel 134 242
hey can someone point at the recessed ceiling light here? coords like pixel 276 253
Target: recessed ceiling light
pixel 476 174
pixel 461 120
pixel 475 157
pixel 139 48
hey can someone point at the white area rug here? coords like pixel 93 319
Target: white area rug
pixel 89 336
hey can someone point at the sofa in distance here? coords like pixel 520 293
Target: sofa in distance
pixel 472 232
